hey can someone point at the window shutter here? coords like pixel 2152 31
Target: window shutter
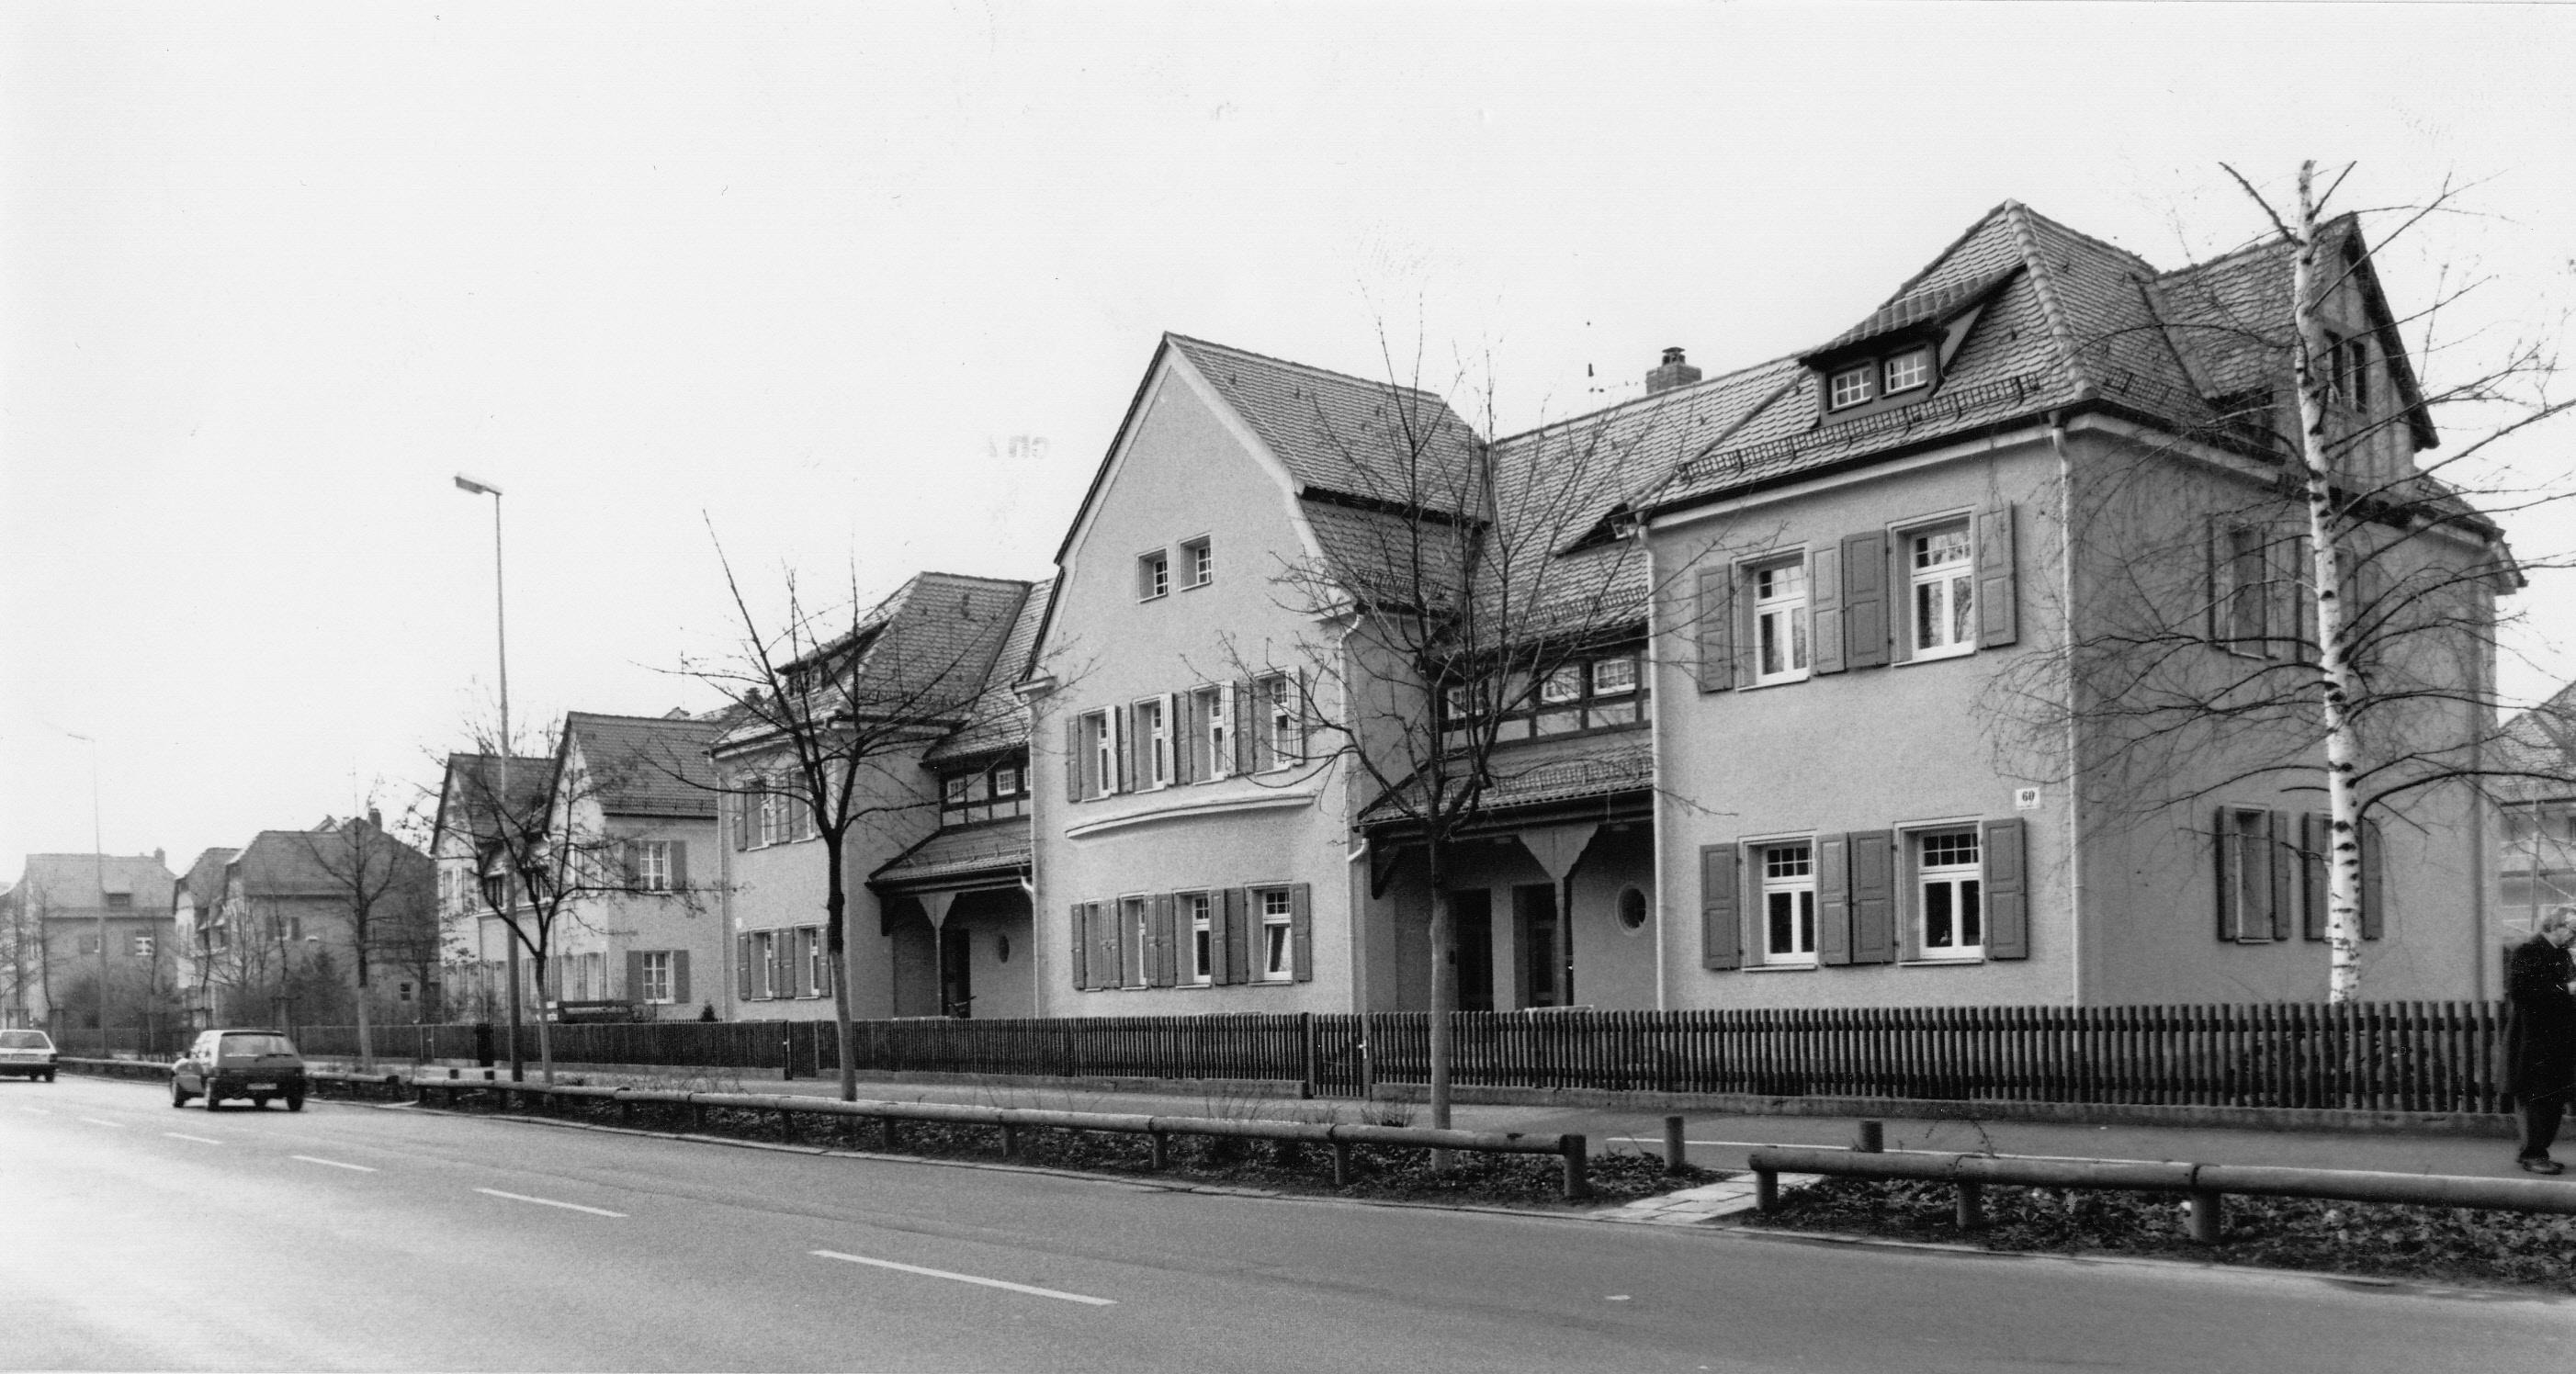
pixel 2283 855
pixel 2006 890
pixel 2222 839
pixel 1109 947
pixel 680 976
pixel 2220 578
pixel 1873 896
pixel 1246 704
pixel 1864 601
pixel 1173 739
pixel 2303 613
pixel 1081 948
pixel 1115 722
pixel 1998 597
pixel 1185 736
pixel 1301 932
pixel 2374 912
pixel 630 864
pixel 806 940
pixel 1716 629
pixel 2314 834
pixel 679 865
pixel 1238 934
pixel 1825 611
pixel 742 968
pixel 1721 935
pixel 1833 899
pixel 1073 789
pixel 741 802
pixel 1305 715
pixel 634 975
pixel 826 968
pixel 1162 971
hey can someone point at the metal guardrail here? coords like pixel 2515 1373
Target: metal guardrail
pixel 2205 1185
pixel 160 1068
pixel 1340 1137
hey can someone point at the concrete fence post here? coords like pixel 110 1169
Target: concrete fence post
pixel 1575 1152
pixel 1675 1159
pixel 2208 1216
pixel 1341 1164
pixel 887 1139
pixel 1873 1139
pixel 1766 1190
pixel 1010 1141
pixel 1162 1158
pixel 1972 1205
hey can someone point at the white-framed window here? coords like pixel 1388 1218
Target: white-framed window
pixel 1213 708
pixel 656 964
pixel 1281 744
pixel 1788 873
pixel 1097 736
pixel 1949 884
pixel 1200 909
pixel 2246 856
pixel 653 865
pixel 142 948
pixel 1153 575
pixel 1908 370
pixel 1943 566
pixel 1560 700
pixel 1275 962
pixel 774 815
pixel 1849 387
pixel 2248 591
pixel 818 962
pixel 1198 562
pixel 772 962
pixel 952 790
pixel 1780 622
pixel 1135 928
pixel 1613 676
pixel 1154 724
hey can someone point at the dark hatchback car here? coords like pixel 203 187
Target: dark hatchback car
pixel 29 1052
pixel 226 1064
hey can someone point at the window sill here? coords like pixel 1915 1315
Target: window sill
pixel 1757 686
pixel 1780 968
pixel 1942 961
pixel 1937 656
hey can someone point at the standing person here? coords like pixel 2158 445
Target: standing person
pixel 2540 1035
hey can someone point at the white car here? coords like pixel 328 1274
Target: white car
pixel 29 1052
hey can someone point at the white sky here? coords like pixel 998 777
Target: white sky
pixel 273 274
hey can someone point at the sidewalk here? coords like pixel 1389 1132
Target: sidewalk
pixel 1714 1140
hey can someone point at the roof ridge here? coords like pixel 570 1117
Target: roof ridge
pixel 2094 239
pixel 2043 281
pixel 1665 395
pixel 615 715
pixel 1907 287
pixel 1306 367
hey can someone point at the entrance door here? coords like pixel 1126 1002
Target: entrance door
pixel 1471 927
pixel 1544 960
pixel 956 972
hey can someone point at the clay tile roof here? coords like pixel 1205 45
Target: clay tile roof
pixel 996 720
pixel 1342 433
pixel 647 765
pixel 73 881
pixel 996 849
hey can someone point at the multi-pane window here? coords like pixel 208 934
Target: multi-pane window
pixel 1909 370
pixel 1849 387
pixel 1589 694
pixel 1096 735
pixel 776 824
pixel 1200 908
pixel 2348 371
pixel 1153 575
pixel 1613 676
pixel 1213 709
pixel 1560 699
pixel 818 962
pixel 2246 856
pixel 1780 622
pixel 1949 882
pixel 1135 928
pixel 1155 727
pixel 1281 742
pixel 1277 916
pixel 2247 591
pixel 1943 563
pixel 657 976
pixel 771 961
pixel 1198 562
pixel 120 901
pixel 142 948
pixel 1789 903
pixel 984 794
pixel 653 865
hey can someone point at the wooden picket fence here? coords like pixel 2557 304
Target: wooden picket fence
pixel 2380 1056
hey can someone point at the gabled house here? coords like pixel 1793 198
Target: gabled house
pixel 283 934
pixel 2536 839
pixel 1849 711
pixel 914 673
pixel 195 902
pixel 478 794
pixel 65 910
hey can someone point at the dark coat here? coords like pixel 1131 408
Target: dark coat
pixel 2539 1021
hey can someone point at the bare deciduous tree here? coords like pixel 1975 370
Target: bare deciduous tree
pixel 380 888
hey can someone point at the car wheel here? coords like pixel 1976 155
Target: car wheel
pixel 211 1100
pixel 178 1095
pixel 49 1075
pixel 295 1102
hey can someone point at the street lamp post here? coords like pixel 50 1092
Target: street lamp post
pixel 501 639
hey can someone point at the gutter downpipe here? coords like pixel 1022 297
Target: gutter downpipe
pixel 1654 750
pixel 2074 770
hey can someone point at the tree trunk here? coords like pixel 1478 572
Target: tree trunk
pixel 836 944
pixel 545 1023
pixel 2335 685
pixel 366 1040
pixel 1444 991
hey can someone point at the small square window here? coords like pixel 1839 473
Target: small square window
pixel 1849 387
pixel 1562 685
pixel 1198 563
pixel 1945 590
pixel 1614 676
pixel 1153 575
pixel 1909 370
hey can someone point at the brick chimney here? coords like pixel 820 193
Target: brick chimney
pixel 1673 373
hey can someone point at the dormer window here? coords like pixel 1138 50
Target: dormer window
pixel 1908 370
pixel 1851 387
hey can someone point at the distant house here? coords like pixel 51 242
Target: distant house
pixel 284 935
pixel 2536 842
pixel 61 909
pixel 475 793
pixel 195 902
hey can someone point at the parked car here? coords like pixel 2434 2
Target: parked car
pixel 29 1052
pixel 226 1064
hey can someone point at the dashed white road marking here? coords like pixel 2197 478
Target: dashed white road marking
pixel 200 1139
pixel 970 1278
pixel 95 1121
pixel 316 1159
pixel 550 1202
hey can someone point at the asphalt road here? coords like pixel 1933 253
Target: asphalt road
pixel 133 1236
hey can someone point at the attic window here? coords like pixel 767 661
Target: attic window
pixel 1909 369
pixel 1851 387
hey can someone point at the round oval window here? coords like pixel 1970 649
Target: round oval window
pixel 1632 909
pixel 1002 949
